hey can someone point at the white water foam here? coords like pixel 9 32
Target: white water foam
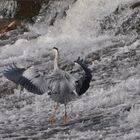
pixel 75 33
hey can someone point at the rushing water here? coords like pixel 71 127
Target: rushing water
pixel 109 110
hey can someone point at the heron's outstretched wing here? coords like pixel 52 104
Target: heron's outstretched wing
pixel 15 74
pixel 84 79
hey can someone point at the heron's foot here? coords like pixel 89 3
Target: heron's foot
pixel 66 119
pixel 52 120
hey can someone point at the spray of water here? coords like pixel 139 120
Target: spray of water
pixel 74 35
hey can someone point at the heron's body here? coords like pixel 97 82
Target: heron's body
pixel 62 86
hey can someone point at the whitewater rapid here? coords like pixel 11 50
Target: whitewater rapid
pixel 110 108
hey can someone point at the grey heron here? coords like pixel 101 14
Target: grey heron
pixel 60 85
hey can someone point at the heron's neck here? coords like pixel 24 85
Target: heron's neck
pixel 56 60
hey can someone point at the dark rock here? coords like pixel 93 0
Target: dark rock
pixel 27 9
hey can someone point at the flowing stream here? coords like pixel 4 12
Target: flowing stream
pixel 103 32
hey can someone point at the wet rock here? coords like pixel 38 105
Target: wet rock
pixel 135 5
pixel 20 9
pixel 124 20
pixel 27 9
pixel 11 26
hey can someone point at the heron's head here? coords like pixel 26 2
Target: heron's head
pixel 55 49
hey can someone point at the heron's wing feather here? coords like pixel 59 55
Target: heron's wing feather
pixel 83 81
pixel 41 83
pixel 30 86
pixel 15 74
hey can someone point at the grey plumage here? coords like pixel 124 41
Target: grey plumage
pixel 60 85
pixel 16 75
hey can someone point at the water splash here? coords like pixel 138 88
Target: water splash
pixel 107 110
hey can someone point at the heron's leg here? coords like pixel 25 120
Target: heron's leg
pixel 66 118
pixel 19 88
pixel 52 118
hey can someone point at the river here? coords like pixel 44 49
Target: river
pixel 103 32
